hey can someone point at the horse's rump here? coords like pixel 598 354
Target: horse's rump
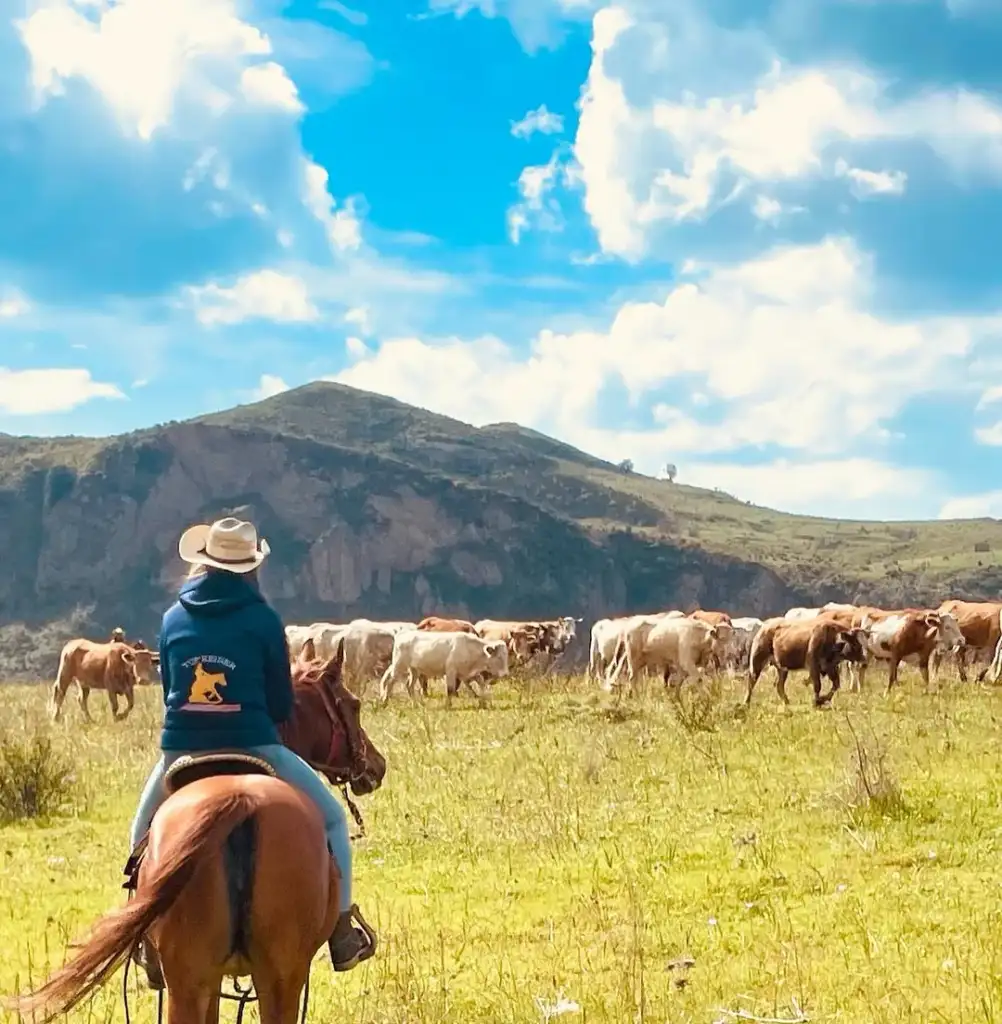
pixel 249 844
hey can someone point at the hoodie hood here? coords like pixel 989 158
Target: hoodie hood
pixel 218 593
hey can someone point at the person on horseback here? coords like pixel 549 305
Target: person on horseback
pixel 224 665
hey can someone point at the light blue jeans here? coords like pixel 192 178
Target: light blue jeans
pixel 290 768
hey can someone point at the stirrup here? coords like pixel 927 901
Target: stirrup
pixel 367 951
pixel 144 957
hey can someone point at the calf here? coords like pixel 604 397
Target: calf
pixel 819 646
pixel 460 657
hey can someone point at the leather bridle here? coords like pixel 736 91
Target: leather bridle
pixel 358 754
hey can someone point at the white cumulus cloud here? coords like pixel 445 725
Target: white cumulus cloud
pixel 267 85
pixel 871 183
pixel 974 506
pixel 660 149
pixel 37 392
pixel 262 295
pixel 343 226
pixel 269 385
pixel 539 120
pixel 781 350
pixel 139 53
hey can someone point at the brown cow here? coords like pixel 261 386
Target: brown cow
pixel 435 624
pixel 523 639
pixel 979 622
pixel 818 645
pixel 95 666
pixel 913 634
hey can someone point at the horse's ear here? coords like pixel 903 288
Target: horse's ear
pixel 309 651
pixel 336 661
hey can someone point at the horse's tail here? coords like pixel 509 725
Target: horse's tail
pixel 117 933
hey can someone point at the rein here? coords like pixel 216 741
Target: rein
pixel 340 779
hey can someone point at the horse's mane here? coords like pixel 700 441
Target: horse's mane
pixel 307 673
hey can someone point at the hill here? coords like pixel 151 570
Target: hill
pixel 375 507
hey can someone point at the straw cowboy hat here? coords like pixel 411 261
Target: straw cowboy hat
pixel 229 544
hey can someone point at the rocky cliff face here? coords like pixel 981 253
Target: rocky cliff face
pixel 90 543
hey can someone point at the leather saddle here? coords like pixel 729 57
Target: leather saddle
pixel 187 769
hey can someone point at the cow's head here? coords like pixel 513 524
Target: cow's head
pixel 850 645
pixel 948 633
pixel 145 663
pixel 496 652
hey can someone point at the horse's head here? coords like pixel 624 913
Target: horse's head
pixel 326 725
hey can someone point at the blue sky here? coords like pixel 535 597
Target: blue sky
pixel 754 238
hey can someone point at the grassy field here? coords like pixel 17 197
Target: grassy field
pixel 558 854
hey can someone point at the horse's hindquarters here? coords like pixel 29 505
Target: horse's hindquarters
pixel 263 904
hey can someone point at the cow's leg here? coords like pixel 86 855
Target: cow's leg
pixel 130 702
pixel 752 680
pixel 451 685
pixel 962 664
pixel 924 669
pixel 83 692
pixel 892 673
pixel 831 673
pixel 386 684
pixel 113 701
pixel 59 688
pixel 781 674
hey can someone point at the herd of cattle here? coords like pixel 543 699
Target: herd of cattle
pixel 670 644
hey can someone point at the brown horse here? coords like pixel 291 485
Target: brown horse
pixel 236 879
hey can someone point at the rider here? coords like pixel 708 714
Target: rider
pixel 221 621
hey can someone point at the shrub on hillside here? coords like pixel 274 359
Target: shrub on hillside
pixel 36 781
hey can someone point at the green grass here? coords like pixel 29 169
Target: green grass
pixel 558 843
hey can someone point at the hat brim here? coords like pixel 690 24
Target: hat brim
pixel 191 548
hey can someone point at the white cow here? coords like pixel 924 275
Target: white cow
pixel 669 644
pixel 323 634
pixel 392 627
pixel 605 635
pixel 800 614
pixel 368 650
pixel 460 657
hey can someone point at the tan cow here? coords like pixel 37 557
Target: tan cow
pixel 96 666
pixel 523 639
pixel 979 622
pixel 666 645
pixel 818 645
pixel 438 624
pixel 712 618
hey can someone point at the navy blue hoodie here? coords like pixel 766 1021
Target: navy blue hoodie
pixel 224 664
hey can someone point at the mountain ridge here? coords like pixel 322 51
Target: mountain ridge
pixel 375 507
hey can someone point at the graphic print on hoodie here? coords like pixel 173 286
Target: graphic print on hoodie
pixel 205 694
pixel 224 664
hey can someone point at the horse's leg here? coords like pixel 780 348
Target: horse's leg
pixel 279 998
pixel 192 1006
